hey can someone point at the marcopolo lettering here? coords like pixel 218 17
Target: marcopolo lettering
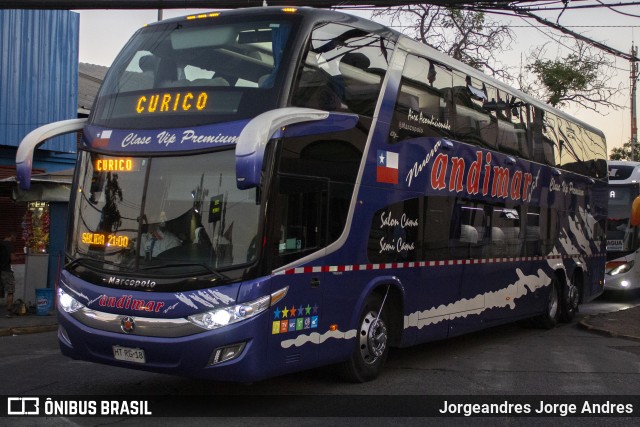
pixel 133 283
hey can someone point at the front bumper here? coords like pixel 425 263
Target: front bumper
pixel 190 355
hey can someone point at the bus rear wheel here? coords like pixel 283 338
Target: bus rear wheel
pixel 570 301
pixel 551 315
pixel 372 344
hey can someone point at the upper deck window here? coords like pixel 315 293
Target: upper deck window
pixel 342 70
pixel 196 72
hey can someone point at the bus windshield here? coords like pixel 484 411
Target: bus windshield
pixel 140 213
pixel 196 72
pixel 621 236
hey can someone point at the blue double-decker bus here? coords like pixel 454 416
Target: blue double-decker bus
pixel 269 190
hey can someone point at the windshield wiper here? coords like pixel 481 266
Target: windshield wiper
pixel 189 264
pixel 76 261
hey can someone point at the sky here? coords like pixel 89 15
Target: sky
pixel 104 32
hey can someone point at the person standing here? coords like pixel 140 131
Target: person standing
pixel 6 272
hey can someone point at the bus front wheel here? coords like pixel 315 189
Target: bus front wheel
pixel 372 343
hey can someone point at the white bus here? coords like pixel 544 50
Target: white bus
pixel 623 242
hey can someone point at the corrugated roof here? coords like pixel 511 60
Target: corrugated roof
pixel 90 77
pixel 38 73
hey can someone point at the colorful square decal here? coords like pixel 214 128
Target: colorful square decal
pixel 288 318
pixel 275 328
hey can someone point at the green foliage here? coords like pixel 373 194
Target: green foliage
pixel 624 152
pixel 582 77
pixel 565 75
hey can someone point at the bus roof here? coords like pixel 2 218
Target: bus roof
pixel 313 16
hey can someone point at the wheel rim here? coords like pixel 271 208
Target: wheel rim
pixel 373 338
pixel 574 297
pixel 553 301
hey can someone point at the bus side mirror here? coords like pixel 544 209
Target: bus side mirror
pixel 255 136
pixel 253 140
pixel 28 145
pixel 635 212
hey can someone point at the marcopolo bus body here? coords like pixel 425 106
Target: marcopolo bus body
pixel 264 191
pixel 623 241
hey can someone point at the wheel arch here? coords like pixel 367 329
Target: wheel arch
pixel 394 304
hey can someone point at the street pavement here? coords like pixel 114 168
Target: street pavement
pixel 622 324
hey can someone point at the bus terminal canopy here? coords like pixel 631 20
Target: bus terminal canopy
pixel 218 4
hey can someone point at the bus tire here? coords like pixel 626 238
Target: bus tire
pixel 372 343
pixel 570 300
pixel 551 315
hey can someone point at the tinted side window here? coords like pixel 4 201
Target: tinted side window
pixel 472 123
pixel 512 117
pixel 396 233
pixel 469 231
pixel 506 235
pixel 423 106
pixel 544 147
pixel 342 70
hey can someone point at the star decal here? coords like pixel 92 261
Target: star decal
pixel 285 312
pixel 276 313
pixel 293 311
pixel 381 159
pixel 315 309
pixel 307 310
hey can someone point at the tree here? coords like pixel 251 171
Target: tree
pixel 582 76
pixel 468 36
pixel 624 152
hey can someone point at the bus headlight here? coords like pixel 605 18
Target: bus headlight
pixel 619 268
pixel 68 303
pixel 229 315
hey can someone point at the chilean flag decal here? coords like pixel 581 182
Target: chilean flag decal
pixel 102 139
pixel 387 170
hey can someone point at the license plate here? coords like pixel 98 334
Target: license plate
pixel 127 354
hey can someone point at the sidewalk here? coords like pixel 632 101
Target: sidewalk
pixel 621 324
pixel 27 324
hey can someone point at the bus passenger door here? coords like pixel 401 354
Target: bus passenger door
pixel 298 229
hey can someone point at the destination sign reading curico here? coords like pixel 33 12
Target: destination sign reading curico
pixel 171 102
pixel 116 164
